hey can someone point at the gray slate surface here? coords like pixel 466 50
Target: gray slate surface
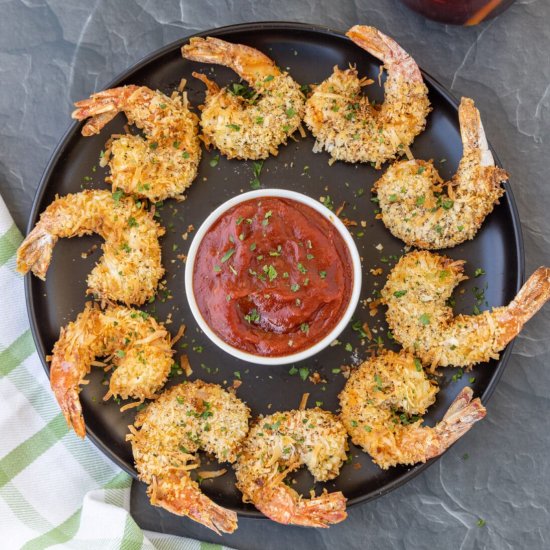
pixel 55 52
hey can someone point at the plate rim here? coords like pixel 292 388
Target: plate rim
pixel 235 28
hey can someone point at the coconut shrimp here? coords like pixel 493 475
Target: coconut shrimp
pixel 130 267
pixel 161 164
pixel 135 344
pixel 414 207
pixel 166 437
pixel 348 126
pixel 416 293
pixel 246 127
pixel 382 403
pixel 281 443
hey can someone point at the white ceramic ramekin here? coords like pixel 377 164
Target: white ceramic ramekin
pixel 321 344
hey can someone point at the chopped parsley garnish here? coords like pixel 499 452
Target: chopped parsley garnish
pixel 378 381
pixel 304 373
pixel 120 353
pixel 259 120
pixel 399 293
pixel 393 198
pixel 481 522
pixel 293 370
pixel 118 194
pixel 295 287
pixel 228 255
pixel 328 202
pixel 253 316
pixel 132 222
pixel 214 161
pixel 336 370
pixel 304 327
pixel 153 145
pixel 357 326
pixel 322 274
pixel 126 247
pixel 417 364
pixel 421 170
pixel 234 127
pixel 271 273
pixel 478 272
pixel 348 347
pixel 217 269
pixel 290 112
pixel 447 204
pixel 257 170
pixel 252 247
pixel 420 200
pixel 269 78
pixel 301 268
pixel 237 374
pixel 310 256
pixel 424 319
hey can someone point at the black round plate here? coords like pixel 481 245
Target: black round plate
pixel 309 53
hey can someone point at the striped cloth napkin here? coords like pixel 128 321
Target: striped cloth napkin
pixel 55 489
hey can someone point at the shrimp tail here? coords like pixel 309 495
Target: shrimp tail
pixel 386 50
pixel 179 494
pixel 101 108
pixel 67 395
pixel 247 62
pixel 463 413
pixel 35 253
pixel 472 131
pixel 211 86
pixel 281 503
pixel 532 296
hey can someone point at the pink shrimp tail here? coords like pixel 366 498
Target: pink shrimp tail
pixel 35 252
pixel 386 49
pixel 531 297
pixel 101 108
pixel 463 413
pixel 282 504
pixel 67 394
pixel 178 494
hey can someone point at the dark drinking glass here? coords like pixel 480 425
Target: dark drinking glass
pixel 459 12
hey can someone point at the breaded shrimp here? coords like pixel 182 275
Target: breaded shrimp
pixel 281 443
pixel 130 267
pixel 246 128
pixel 188 417
pixel 137 345
pixel 164 162
pixel 413 203
pixel 416 293
pixel 348 126
pixel 381 405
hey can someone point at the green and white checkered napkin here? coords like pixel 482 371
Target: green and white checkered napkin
pixel 55 489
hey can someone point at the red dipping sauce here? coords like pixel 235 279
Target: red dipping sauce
pixel 272 276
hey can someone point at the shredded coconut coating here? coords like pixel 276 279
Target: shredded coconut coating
pixel 130 268
pixel 346 125
pixel 243 128
pixel 379 400
pixel 137 346
pixel 164 161
pixel 281 443
pixel 185 418
pixel 423 211
pixel 416 293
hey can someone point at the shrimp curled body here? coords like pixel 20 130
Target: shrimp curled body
pixel 166 437
pixel 164 162
pixel 139 346
pixel 410 194
pixel 281 443
pixel 246 128
pixel 348 126
pixel 381 404
pixel 130 267
pixel 416 293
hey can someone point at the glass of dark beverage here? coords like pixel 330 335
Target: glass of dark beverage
pixel 459 12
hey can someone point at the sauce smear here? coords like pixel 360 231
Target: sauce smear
pixel 272 276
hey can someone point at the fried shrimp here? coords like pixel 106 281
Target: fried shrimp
pixel 416 293
pixel 348 126
pixel 164 162
pixel 281 443
pixel 130 267
pixel 166 437
pixel 381 405
pixel 415 208
pixel 135 343
pixel 246 127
